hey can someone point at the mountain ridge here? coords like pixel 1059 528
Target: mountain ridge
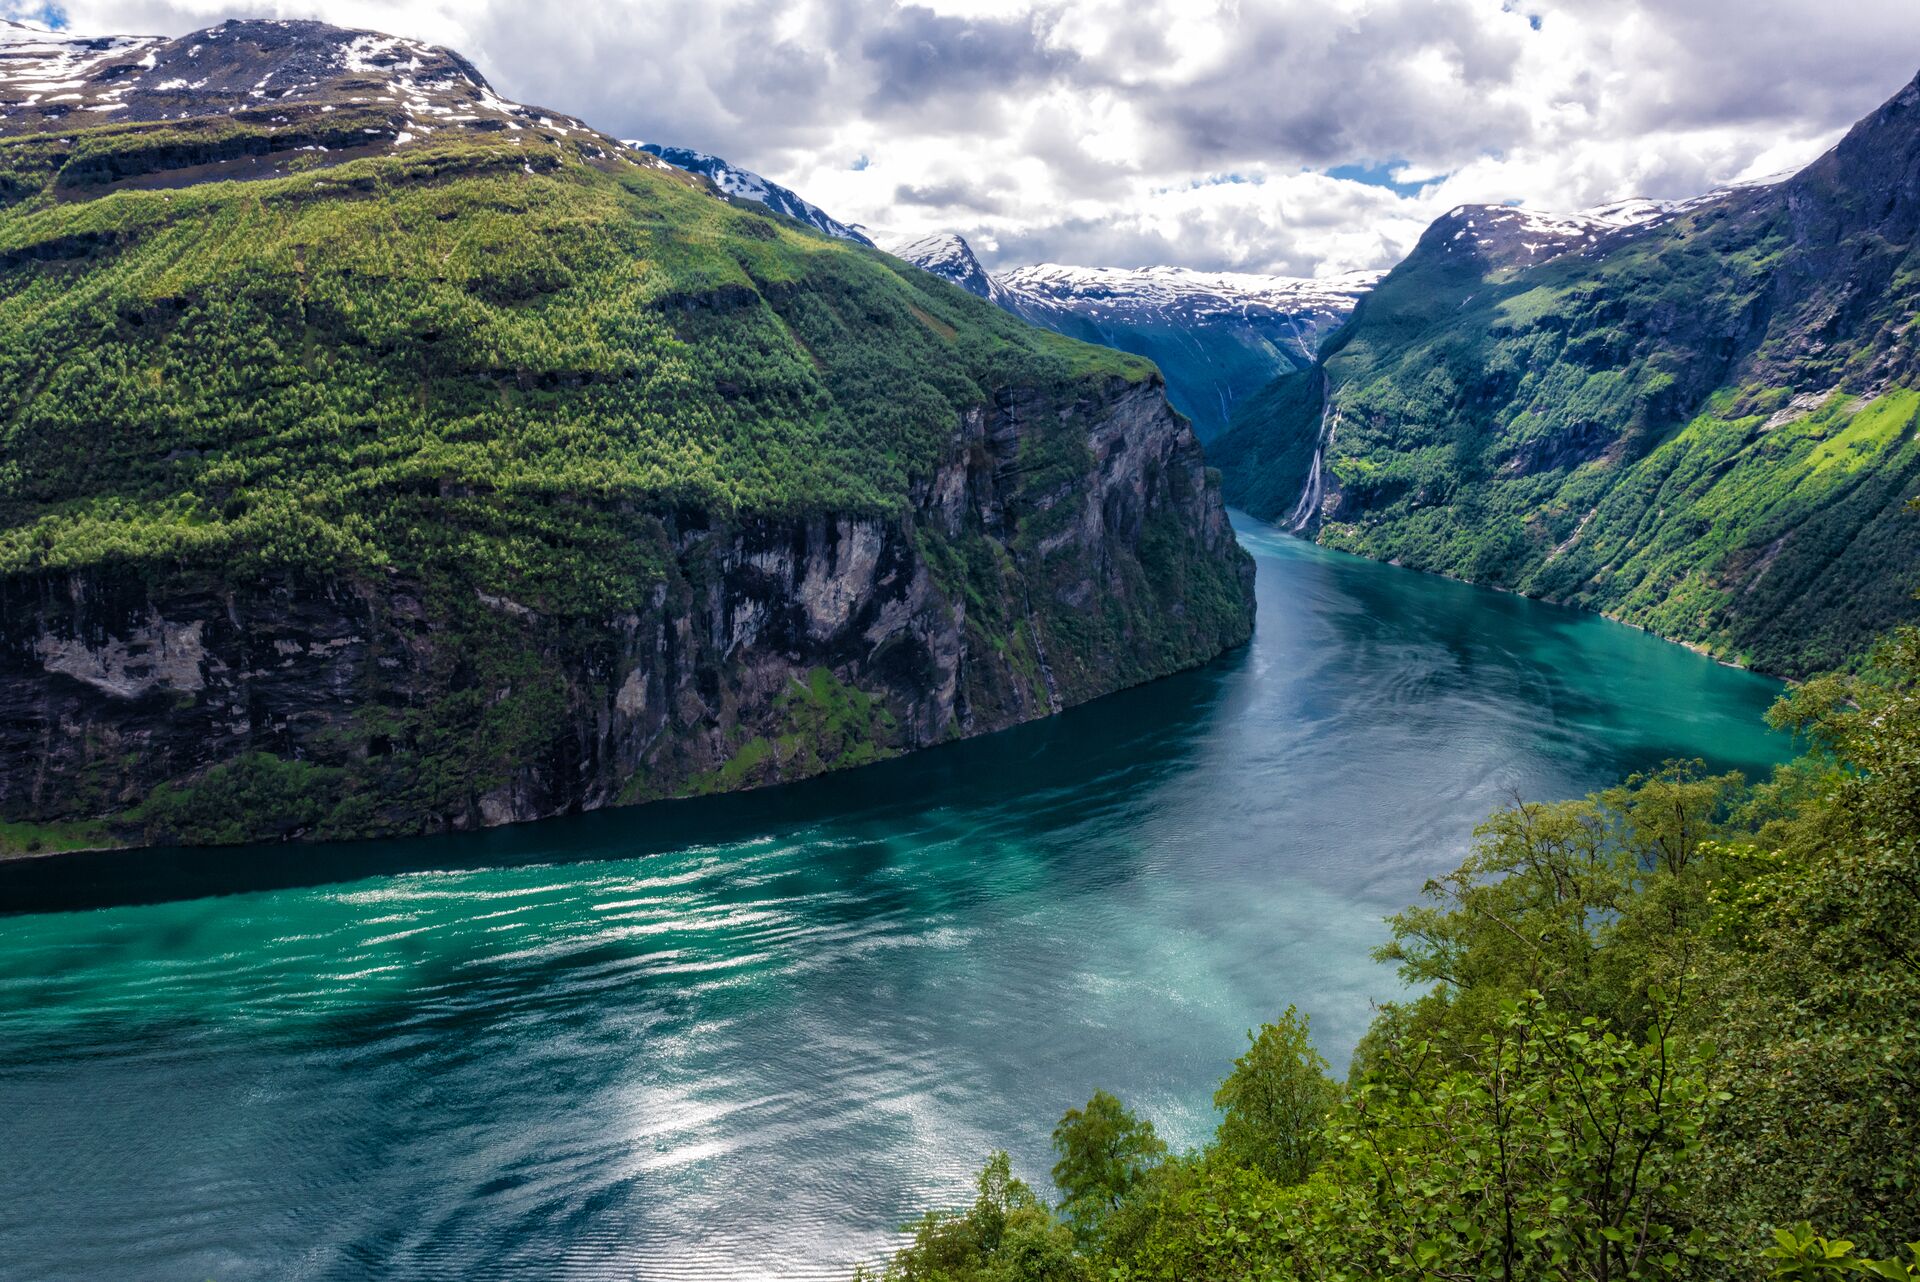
pixel 744 184
pixel 1217 336
pixel 1702 423
pixel 384 457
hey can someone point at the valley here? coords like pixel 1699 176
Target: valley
pixel 752 1035
pixel 567 712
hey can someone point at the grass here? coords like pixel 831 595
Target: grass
pixel 18 839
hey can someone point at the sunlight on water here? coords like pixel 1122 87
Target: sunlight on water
pixel 749 1036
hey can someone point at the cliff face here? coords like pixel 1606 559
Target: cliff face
pixel 138 707
pixel 1703 418
pixel 379 456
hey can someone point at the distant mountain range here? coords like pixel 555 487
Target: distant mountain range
pixel 1216 336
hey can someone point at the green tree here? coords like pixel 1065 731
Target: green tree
pixel 1007 1235
pixel 1222 1223
pixel 1104 1149
pixel 1592 903
pixel 1276 1102
pixel 1559 1150
pixel 1821 994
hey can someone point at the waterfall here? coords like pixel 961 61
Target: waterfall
pixel 1309 504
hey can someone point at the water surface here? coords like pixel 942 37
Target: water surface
pixel 747 1037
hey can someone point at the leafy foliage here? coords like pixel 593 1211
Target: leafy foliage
pixel 1007 1235
pixel 1665 1027
pixel 1802 1255
pixel 1104 1151
pixel 1275 1103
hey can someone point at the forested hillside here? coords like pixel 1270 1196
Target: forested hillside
pixel 1703 423
pixel 382 456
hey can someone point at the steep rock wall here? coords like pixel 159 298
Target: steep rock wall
pixel 139 705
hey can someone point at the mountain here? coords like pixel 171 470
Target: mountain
pixel 381 456
pixel 1699 418
pixel 1216 336
pixel 744 184
pixel 950 257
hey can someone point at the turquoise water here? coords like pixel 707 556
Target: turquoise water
pixel 748 1036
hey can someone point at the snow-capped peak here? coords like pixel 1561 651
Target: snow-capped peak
pixel 950 257
pixel 1217 336
pixel 52 79
pixel 1098 290
pixel 1519 236
pixel 744 184
pixel 1111 292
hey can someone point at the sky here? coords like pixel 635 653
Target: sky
pixel 1294 137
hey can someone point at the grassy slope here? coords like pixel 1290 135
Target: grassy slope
pixel 482 368
pixel 299 372
pixel 1602 430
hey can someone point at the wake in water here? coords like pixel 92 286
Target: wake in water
pixel 749 1037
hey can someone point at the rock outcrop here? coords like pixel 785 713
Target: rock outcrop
pixel 771 650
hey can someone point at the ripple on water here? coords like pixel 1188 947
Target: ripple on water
pixel 749 1038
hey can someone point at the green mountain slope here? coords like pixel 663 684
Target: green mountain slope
pixel 386 456
pixel 1704 425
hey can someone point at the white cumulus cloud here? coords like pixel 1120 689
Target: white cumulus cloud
pixel 1293 136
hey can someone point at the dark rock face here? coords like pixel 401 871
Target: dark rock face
pixel 772 650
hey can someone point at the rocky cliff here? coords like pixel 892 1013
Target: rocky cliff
pixel 1702 417
pixel 769 650
pixel 502 472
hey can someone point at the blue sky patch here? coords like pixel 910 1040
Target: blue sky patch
pixel 46 15
pixel 1380 175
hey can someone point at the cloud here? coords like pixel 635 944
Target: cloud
pixel 1199 132
pixel 917 55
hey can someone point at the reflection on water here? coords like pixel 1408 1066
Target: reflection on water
pixel 748 1036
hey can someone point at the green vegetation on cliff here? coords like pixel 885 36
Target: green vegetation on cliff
pixel 361 475
pixel 1658 1033
pixel 461 354
pixel 1706 426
